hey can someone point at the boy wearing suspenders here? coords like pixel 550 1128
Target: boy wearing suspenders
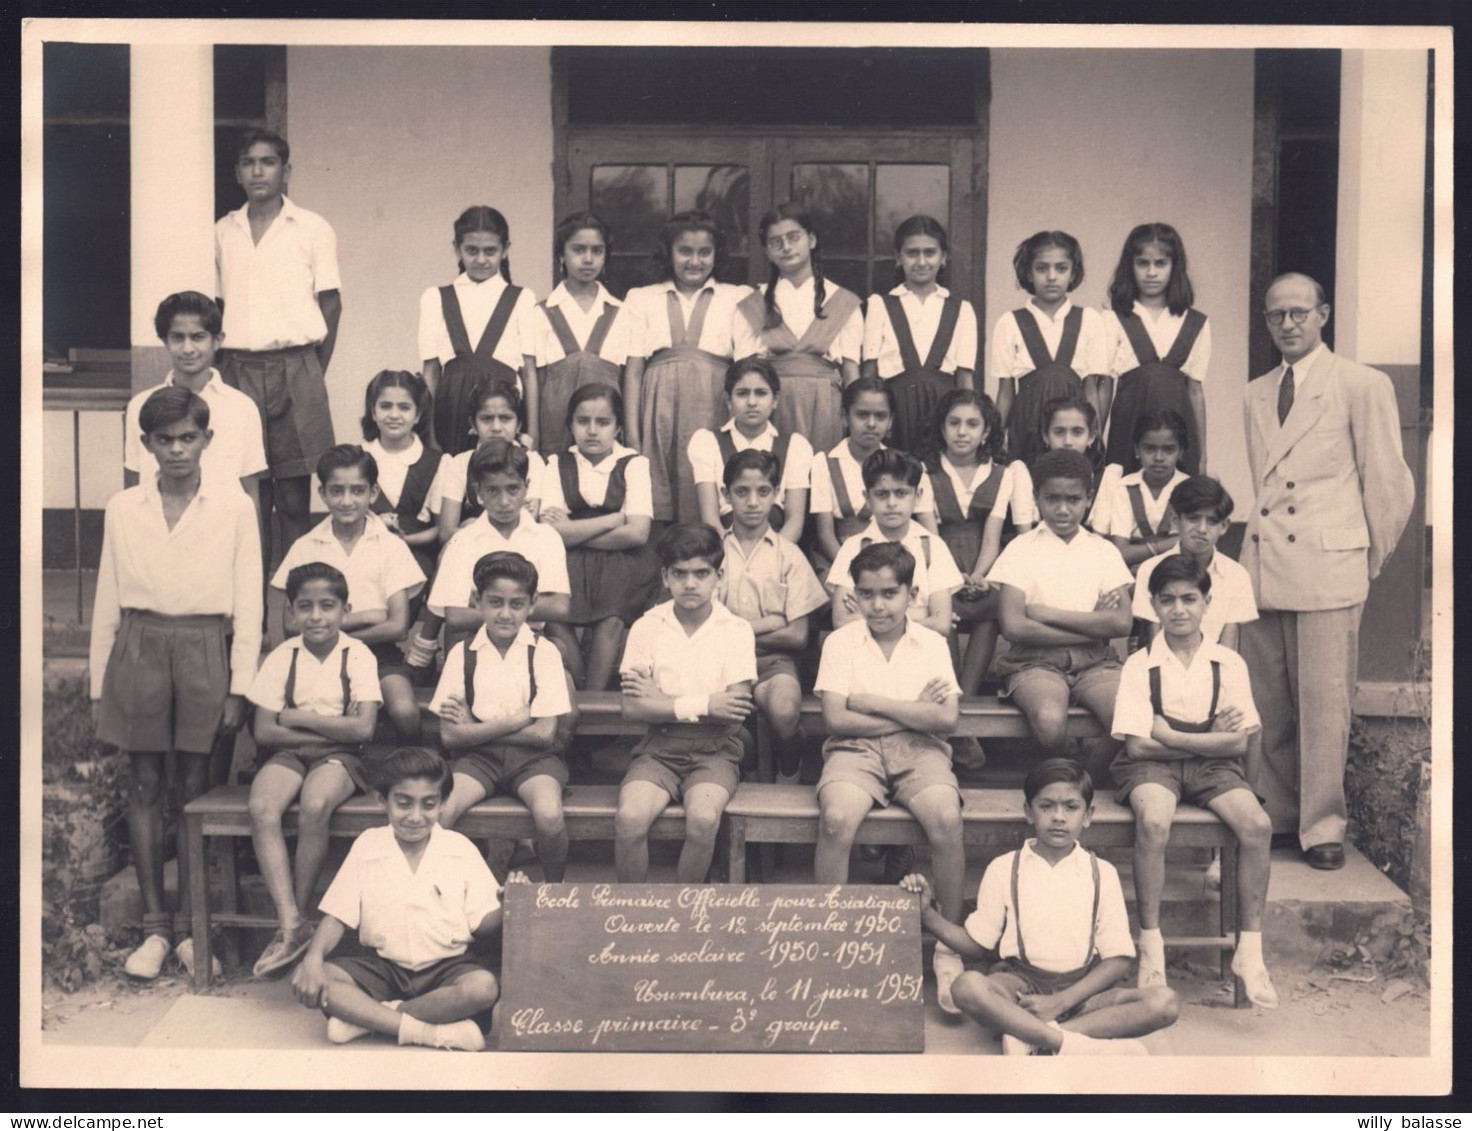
pixel 1184 711
pixel 316 698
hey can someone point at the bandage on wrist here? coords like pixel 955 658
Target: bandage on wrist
pixel 692 708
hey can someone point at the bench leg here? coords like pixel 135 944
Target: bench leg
pixel 199 898
pixel 1227 902
pixel 228 852
pixel 735 850
pixel 765 771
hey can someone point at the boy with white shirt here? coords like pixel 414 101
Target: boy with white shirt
pixel 889 693
pixel 1185 713
pixel 417 894
pixel 891 479
pixel 1065 595
pixel 316 699
pixel 505 710
pixel 499 471
pixel 188 324
pixel 687 670
pixel 181 560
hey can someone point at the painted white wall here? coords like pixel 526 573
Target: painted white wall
pixel 102 459
pixel 1382 180
pixel 390 144
pixel 1095 142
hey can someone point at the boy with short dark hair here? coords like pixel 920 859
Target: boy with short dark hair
pixel 1065 595
pixel 1054 914
pixel 889 695
pixel 769 582
pixel 316 700
pixel 277 280
pixel 382 573
pixel 891 480
pixel 417 894
pixel 505 709
pixel 1185 712
pixel 1204 511
pixel 499 471
pixel 181 559
pixel 687 670
pixel 188 324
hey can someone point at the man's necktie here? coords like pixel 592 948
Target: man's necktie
pixel 1285 395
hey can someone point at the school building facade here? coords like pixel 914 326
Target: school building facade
pixel 1265 160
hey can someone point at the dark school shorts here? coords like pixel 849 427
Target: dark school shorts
pixel 1196 781
pixel 165 684
pixel 503 769
pixel 303 760
pixel 677 762
pixel 290 392
pixel 889 767
pixel 383 980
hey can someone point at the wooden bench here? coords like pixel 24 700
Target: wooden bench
pixel 223 813
pixel 762 814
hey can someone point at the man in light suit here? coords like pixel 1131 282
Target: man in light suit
pixel 1333 494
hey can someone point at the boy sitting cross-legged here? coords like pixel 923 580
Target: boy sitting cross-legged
pixel 504 708
pixel 889 692
pixel 687 670
pixel 417 894
pixel 1054 913
pixel 768 581
pixel 1185 712
pixel 316 700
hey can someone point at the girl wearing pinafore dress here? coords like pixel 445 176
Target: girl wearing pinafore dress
pixel 809 328
pixel 679 347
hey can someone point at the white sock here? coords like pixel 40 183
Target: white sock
pixel 1249 947
pixel 413 1031
pixel 1152 945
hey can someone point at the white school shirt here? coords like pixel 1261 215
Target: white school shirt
pixel 270 288
pixel 455 577
pixel 883 347
pixel 502 686
pixel 853 663
pixel 1232 600
pixel 449 480
pixel 1185 693
pixel 1056 901
pixel 318 686
pixel 615 346
pixel 940 576
pixel 593 481
pixel 1014 493
pixel 209 564
pixel 413 918
pixel 704 450
pixel 649 317
pixel 1009 356
pixel 774 579
pixel 720 653
pixel 1163 328
pixel 236 449
pixel 796 306
pixel 1070 575
pixel 477 303
pixel 380 564
pixel 393 469
pixel 822 500
pixel 1113 516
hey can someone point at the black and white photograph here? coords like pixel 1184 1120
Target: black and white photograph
pixel 736 557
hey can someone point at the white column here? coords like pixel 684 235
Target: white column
pixel 172 136
pixel 1382 179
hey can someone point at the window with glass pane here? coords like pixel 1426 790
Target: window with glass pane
pixel 902 191
pixel 633 200
pixel 724 191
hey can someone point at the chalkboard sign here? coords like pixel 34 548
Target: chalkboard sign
pixel 711 968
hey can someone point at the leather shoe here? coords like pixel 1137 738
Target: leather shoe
pixel 1325 856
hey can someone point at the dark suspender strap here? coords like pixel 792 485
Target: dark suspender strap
pixel 469 666
pixel 1069 342
pixel 558 321
pixel 600 328
pixel 617 486
pixel 347 687
pixel 677 320
pixel 1134 330
pixel 1155 701
pixel 985 497
pixel 567 472
pixel 531 673
pixel 1017 907
pixel 697 318
pixel 454 322
pixel 1093 918
pixel 1181 348
pixel 1032 337
pixel 819 335
pixel 417 484
pixel 909 355
pixel 947 503
pixel 290 695
pixel 941 344
pixel 726 444
pixel 1179 724
pixel 1136 493
pixel 840 489
pixel 779 453
pixel 1216 686
pixel 500 318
